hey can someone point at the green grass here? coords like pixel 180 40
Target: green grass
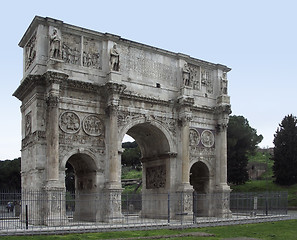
pixel 131 189
pixel 129 173
pixel 263 185
pixel 266 183
pixel 263 158
pixel 266 231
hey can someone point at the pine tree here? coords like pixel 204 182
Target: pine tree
pixel 242 140
pixel 285 151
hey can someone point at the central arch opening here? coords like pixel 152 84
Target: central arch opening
pixel 155 162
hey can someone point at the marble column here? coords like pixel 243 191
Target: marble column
pixel 55 212
pixel 222 153
pixel 53 80
pixel 185 154
pixel 52 135
pixel 222 196
pixel 114 161
pixel 185 190
pixel 113 188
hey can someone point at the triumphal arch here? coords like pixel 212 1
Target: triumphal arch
pixel 82 91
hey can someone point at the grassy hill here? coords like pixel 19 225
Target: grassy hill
pixel 266 181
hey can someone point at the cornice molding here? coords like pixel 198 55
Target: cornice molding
pixel 133 96
pixel 27 85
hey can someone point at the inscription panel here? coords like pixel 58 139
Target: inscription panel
pixel 146 64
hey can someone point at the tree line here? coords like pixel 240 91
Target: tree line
pixel 242 141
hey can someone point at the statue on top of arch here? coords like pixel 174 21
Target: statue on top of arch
pixel 55 44
pixel 114 58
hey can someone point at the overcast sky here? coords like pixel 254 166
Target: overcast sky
pixel 256 38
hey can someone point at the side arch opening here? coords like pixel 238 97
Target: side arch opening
pixel 81 201
pixel 199 179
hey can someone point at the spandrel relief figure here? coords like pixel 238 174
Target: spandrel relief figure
pixel 114 58
pixel 55 44
pixel 186 75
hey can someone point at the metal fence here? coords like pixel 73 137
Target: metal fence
pixel 21 212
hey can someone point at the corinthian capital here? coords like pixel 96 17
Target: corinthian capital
pixel 222 127
pixel 223 109
pixel 52 100
pixel 115 88
pixel 185 118
pixel 55 77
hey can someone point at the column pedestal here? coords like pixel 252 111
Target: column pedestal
pixel 113 205
pixel 55 207
pixel 184 197
pixel 221 202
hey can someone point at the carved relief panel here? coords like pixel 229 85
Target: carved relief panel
pixel 30 51
pixel 92 53
pixel 156 177
pixel 81 129
pixel 93 125
pixel 28 124
pixel 69 122
pixel 126 117
pixel 207 138
pixel 71 49
pixel 202 145
pixel 194 137
pixel 194 77
pixel 207 80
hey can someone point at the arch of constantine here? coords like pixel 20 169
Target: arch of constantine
pixel 82 91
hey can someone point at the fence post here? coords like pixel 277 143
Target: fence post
pixel 168 210
pixel 194 207
pixel 266 204
pixel 182 208
pixel 27 220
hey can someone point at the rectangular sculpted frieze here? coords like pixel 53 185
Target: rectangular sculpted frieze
pixel 194 76
pixel 156 177
pixel 207 80
pixel 92 53
pixel 30 51
pixel 71 49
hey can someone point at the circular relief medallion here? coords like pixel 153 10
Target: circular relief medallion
pixel 194 137
pixel 69 122
pixel 93 125
pixel 207 138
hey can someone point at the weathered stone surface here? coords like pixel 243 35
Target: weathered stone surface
pixel 82 91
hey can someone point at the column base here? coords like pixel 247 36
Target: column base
pixel 54 205
pixel 184 196
pixel 222 202
pixel 113 205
